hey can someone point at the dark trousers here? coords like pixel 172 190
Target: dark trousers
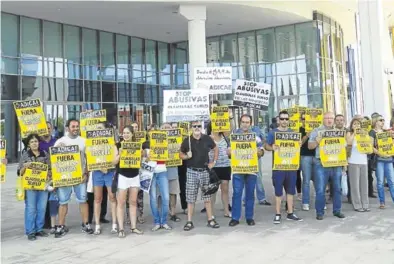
pixel 103 205
pixel 370 180
pixel 299 182
pixel 47 223
pixel 182 185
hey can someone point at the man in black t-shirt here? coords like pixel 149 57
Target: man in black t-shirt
pixel 195 149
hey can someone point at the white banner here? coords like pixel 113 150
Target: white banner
pixel 217 79
pixel 252 94
pixel 185 105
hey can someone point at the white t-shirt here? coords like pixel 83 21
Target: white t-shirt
pixel 80 141
pixel 356 157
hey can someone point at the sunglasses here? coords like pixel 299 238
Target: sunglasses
pixel 197 126
pixel 283 119
pixel 381 120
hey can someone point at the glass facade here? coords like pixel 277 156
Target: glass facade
pixel 72 68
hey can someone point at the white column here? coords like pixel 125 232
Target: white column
pixel 196 16
pixel 375 58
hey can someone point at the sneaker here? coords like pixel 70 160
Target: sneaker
pixel 339 215
pixel 264 202
pixel 305 207
pixel 166 227
pixel 250 222
pixel 42 234
pixel 86 228
pixel 60 231
pixel 204 210
pixel 233 223
pixel 53 230
pixel 293 217
pixel 32 237
pixel 156 227
pixel 277 219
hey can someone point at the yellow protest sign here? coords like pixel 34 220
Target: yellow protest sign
pixel 66 166
pixel 90 119
pixel 220 119
pixel 3 167
pixel 100 149
pixel 385 143
pixel 158 145
pixel 366 125
pixel 31 117
pixel 174 137
pixel 313 119
pixel 294 119
pixel 364 141
pixel 184 126
pixel 140 136
pixel 130 155
pixel 244 153
pixel 35 176
pixel 333 148
pixel 301 110
pixel 288 155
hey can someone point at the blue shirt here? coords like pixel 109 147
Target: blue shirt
pixel 46 145
pixel 314 134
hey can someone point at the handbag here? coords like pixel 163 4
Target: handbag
pixel 214 183
pixel 114 186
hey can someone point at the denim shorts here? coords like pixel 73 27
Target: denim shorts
pixel 286 180
pixel 101 179
pixel 64 193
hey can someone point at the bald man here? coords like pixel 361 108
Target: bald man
pixel 322 174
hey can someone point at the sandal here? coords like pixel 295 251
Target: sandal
pixel 156 227
pixel 136 231
pixel 382 206
pixel 141 219
pixel 114 230
pixel 213 224
pixel 166 227
pixel 175 218
pixel 189 226
pixel 228 215
pixel 121 234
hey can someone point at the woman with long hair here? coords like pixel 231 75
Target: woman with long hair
pixel 35 200
pixel 357 170
pixel 128 182
pixel 384 163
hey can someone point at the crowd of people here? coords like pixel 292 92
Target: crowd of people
pixel 200 153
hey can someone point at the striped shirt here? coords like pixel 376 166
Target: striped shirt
pixel 223 160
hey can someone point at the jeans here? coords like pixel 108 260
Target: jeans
pixel 321 179
pixel 260 192
pixel 308 164
pixel 384 169
pixel 35 207
pixel 239 181
pixel 159 180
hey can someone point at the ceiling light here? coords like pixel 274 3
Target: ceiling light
pixel 220 24
pixel 58 9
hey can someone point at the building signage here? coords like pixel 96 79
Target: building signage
pixel 217 79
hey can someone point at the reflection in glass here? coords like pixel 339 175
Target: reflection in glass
pixel 32 88
pixel 73 111
pixel 137 58
pixel 213 52
pixel 287 85
pixel 228 50
pixel 266 45
pixel 52 41
pixel 92 91
pixel 123 60
pixel 31 38
pixel 53 89
pixel 107 50
pixel 9 87
pixel 72 45
pixel 306 40
pixel 9 35
pixel 285 43
pixel 112 113
pixel 73 90
pixel 126 93
pixel 54 115
pixel 11 132
pixel 9 65
pixel 108 91
pixel 90 48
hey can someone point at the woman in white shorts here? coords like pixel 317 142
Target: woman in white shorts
pixel 128 182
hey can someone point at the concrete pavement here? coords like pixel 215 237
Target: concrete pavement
pixel 359 238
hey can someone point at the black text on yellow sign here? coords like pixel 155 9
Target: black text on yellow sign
pixel 100 149
pixel 244 153
pixel 220 119
pixel 31 117
pixel 90 119
pixel 35 176
pixel 385 143
pixel 184 126
pixel 130 155
pixel 66 166
pixel 364 141
pixel 333 148
pixel 366 125
pixel 294 119
pixel 140 136
pixel 287 157
pixel 158 146
pixel 3 167
pixel 313 119
pixel 174 145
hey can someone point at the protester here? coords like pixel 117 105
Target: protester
pixel 282 179
pixel 128 182
pixel 247 181
pixel 357 170
pixel 35 201
pixel 384 163
pixel 80 190
pixel 324 174
pixel 195 149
